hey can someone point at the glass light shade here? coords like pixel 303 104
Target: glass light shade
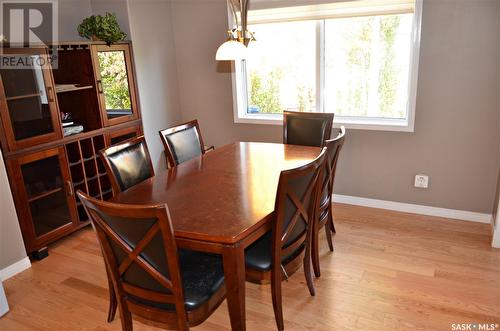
pixel 231 50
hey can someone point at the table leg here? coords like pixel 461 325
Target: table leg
pixel 234 273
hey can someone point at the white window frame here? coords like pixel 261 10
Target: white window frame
pixel 240 93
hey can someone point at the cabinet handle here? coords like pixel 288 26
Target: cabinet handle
pixel 99 86
pixel 70 188
pixel 50 93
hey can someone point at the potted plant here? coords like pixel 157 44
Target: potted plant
pixel 105 28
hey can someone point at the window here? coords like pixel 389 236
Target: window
pixel 281 75
pixel 358 60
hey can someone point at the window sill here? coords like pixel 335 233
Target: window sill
pixel 397 125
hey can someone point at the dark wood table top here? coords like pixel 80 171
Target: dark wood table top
pixel 223 195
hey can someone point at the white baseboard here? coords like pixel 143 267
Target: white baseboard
pixel 15 268
pixel 495 243
pixel 496 230
pixel 4 306
pixel 414 209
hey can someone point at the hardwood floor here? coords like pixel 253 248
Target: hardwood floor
pixel 390 271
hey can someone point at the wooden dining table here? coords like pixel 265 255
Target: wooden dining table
pixel 221 202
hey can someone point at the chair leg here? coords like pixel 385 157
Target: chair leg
pixel 112 304
pixel 112 299
pixel 307 269
pixel 276 295
pixel 125 318
pixel 328 232
pixel 315 253
pixel 126 322
pixel 125 315
pixel 332 225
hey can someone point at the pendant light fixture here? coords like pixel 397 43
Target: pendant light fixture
pixel 235 48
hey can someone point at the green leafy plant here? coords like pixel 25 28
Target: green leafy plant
pixel 265 94
pixel 104 28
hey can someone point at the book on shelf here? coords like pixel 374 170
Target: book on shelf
pixel 66 87
pixel 73 129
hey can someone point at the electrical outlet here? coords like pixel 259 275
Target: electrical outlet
pixel 422 181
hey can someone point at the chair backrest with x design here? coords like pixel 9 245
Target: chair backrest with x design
pixel 140 252
pixel 297 191
pixel 334 146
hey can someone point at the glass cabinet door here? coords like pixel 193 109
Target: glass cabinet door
pixel 115 83
pixel 47 192
pixel 27 101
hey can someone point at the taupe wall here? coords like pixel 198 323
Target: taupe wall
pixel 117 7
pixel 152 36
pixel 11 242
pixel 148 23
pixel 72 12
pixel 456 131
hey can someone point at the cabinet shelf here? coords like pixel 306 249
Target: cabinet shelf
pixel 20 97
pixel 107 191
pixel 72 164
pixel 89 179
pixel 44 194
pixel 79 183
pixel 90 158
pixel 73 88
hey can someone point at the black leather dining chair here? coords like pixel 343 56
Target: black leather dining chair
pixel 127 164
pixel 324 206
pixel 289 241
pixel 182 143
pixel 306 128
pixel 153 279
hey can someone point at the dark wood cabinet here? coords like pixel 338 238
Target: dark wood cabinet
pixel 46 163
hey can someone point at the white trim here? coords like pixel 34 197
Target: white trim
pixel 343 9
pixel 15 268
pixel 400 125
pixel 320 64
pixel 495 242
pixel 414 62
pixel 4 306
pixel 414 209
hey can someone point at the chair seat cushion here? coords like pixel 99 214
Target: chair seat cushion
pixel 202 276
pixel 258 255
